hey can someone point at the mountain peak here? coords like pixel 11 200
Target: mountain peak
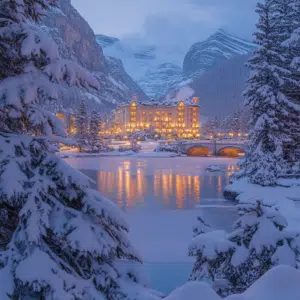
pixel 219 47
pixel 222 31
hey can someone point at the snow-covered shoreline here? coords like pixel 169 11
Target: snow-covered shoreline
pixel 70 154
pixel 285 196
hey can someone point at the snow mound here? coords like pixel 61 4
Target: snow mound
pixel 280 283
pixel 211 243
pixel 213 168
pixel 193 290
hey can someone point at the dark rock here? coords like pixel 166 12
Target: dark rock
pixel 230 195
pixel 77 41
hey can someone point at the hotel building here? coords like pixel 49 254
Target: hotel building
pixel 180 120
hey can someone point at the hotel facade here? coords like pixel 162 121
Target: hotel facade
pixel 180 120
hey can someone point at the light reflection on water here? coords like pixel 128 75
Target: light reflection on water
pixel 131 185
pixel 165 184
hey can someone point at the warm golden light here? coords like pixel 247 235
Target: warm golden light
pixel 180 120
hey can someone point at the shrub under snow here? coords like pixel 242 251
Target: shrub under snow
pixel 279 283
pixel 167 148
pixel 236 260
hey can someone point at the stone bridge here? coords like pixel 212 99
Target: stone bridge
pixel 216 148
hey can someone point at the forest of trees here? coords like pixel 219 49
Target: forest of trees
pixel 236 124
pixel 60 239
pixel 259 240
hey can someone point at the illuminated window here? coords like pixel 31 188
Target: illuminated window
pixel 60 116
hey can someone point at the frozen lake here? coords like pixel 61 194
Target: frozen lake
pixel 163 197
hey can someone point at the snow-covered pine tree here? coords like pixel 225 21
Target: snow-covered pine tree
pixel 95 141
pixel 235 261
pixel 212 250
pixel 223 125
pixel 82 126
pixel 68 115
pixel 271 110
pixel 244 120
pixel 201 227
pixel 234 122
pixel 59 238
pixel 289 17
pixel 212 126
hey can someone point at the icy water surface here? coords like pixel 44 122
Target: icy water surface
pixel 160 183
pixel 163 197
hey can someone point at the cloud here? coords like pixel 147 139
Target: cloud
pixel 169 22
pixel 184 93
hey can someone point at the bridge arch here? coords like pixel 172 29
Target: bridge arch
pixel 198 150
pixel 231 151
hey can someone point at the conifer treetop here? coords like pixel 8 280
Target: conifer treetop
pixel 30 69
pixel 23 10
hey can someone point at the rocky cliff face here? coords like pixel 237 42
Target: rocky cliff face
pixel 77 41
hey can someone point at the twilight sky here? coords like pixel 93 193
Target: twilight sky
pixel 169 21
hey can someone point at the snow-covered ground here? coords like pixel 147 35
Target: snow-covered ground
pixel 280 283
pixel 285 197
pixel 70 153
pixel 147 151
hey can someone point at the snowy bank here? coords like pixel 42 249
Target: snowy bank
pixel 285 198
pixel 194 290
pixel 71 154
pixel 214 168
pixel 280 283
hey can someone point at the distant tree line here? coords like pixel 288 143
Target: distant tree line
pixel 236 123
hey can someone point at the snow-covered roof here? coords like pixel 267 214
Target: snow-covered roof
pixel 153 102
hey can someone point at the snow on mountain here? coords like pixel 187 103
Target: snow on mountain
pixel 215 69
pixel 77 42
pixel 153 68
pixel 219 47
pixel 106 41
pixel 158 79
